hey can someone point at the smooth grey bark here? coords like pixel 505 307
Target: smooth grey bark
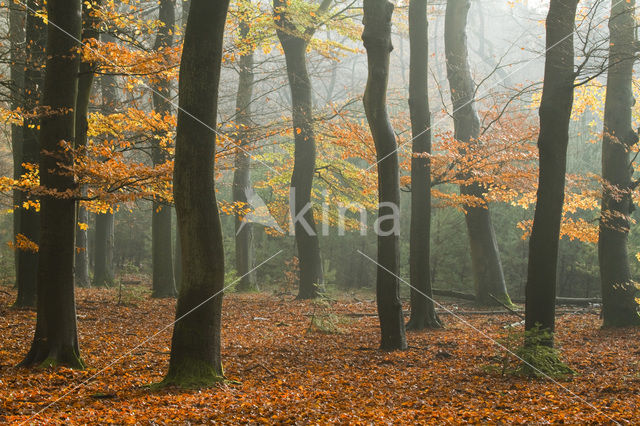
pixel 29 220
pixel 90 31
pixel 195 346
pixel 56 336
pixel 488 276
pixel 619 308
pixel 555 113
pixel 242 172
pixel 377 41
pixel 17 22
pixel 423 313
pixel 294 42
pixel 162 277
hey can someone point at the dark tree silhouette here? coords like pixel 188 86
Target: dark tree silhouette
pixel 377 41
pixel 294 42
pixel 195 346
pixel 555 113
pixel 29 219
pixel 488 276
pixel 619 308
pixel 56 337
pixel 162 252
pixel 423 314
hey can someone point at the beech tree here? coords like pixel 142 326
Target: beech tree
pixel 195 346
pixel 294 41
pixel 485 256
pixel 377 41
pixel 619 306
pixel 56 338
pixel 242 172
pixel 555 113
pixel 423 314
pixel 103 274
pixel 90 31
pixel 162 276
pixel 29 218
pixel 17 18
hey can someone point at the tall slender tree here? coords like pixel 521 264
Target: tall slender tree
pixel 195 346
pixel 56 337
pixel 423 314
pixel 103 274
pixel 241 174
pixel 29 220
pixel 488 276
pixel 90 31
pixel 161 216
pixel 294 41
pixel 377 41
pixel 619 307
pixel 17 18
pixel 555 113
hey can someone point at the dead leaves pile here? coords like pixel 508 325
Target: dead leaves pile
pixel 289 374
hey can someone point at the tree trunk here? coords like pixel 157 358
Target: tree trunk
pixel 555 113
pixel 377 41
pixel 17 21
pixel 619 308
pixel 241 175
pixel 29 220
pixel 177 261
pixel 488 276
pixel 56 336
pixel 103 274
pixel 85 85
pixel 423 313
pixel 294 43
pixel 195 346
pixel 163 282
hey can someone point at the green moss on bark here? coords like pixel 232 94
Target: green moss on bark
pixel 192 374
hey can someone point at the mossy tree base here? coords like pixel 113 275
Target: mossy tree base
pixel 41 356
pixel 193 374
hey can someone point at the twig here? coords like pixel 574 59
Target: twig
pixel 271 373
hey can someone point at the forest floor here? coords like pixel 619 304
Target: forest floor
pixel 302 362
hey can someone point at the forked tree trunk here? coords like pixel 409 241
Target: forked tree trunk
pixel 56 336
pixel 17 21
pixel 241 174
pixel 29 221
pixel 163 282
pixel 423 314
pixel 90 31
pixel 377 41
pixel 195 346
pixel 555 113
pixel 488 276
pixel 619 308
pixel 294 43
